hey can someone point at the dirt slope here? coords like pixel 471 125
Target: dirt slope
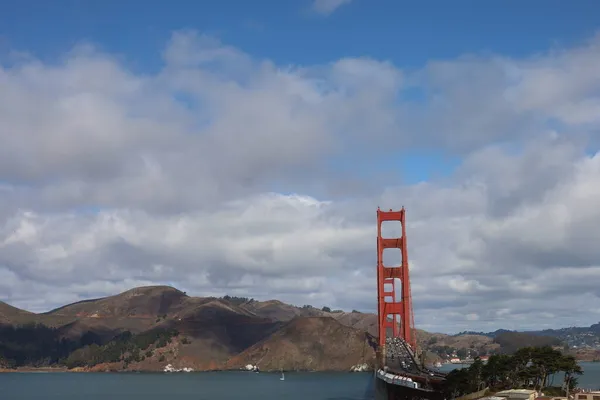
pixel 142 302
pixel 309 343
pixel 10 314
pixel 226 330
pixel 362 321
pixel 280 311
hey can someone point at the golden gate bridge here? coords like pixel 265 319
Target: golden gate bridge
pixel 399 372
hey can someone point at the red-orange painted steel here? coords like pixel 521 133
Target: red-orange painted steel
pixel 387 275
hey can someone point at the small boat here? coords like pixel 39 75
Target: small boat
pixel 282 376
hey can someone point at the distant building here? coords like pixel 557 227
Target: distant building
pixel 591 395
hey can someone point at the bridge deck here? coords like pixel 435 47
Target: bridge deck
pixel 400 361
pixel 386 391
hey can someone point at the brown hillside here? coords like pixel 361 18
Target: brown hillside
pixel 309 343
pixel 368 322
pixel 218 331
pixel 10 314
pixel 363 321
pixel 144 302
pixel 105 328
pixel 210 332
pixel 279 311
pixel 429 340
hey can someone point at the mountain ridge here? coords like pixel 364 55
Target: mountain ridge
pixel 145 327
pixel 128 330
pixel 250 305
pixel 561 333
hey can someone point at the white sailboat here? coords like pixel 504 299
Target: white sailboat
pixel 282 376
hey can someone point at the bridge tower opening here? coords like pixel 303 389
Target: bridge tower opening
pixel 394 314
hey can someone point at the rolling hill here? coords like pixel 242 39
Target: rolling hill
pixel 146 327
pixel 143 302
pixel 210 331
pixel 310 344
pixel 11 315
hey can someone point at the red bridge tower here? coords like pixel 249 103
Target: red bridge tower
pixel 394 313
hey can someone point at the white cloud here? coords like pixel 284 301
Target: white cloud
pixel 327 7
pixel 111 179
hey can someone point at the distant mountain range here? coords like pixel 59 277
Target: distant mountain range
pixel 588 336
pixel 147 328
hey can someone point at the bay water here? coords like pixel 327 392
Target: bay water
pixel 180 386
pixel 208 385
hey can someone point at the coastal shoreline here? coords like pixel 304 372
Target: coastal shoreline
pixel 151 371
pixel 33 370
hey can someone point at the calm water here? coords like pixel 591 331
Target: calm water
pixel 589 380
pixel 207 386
pixel 176 386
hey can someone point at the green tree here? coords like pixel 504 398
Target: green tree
pixel 545 362
pixel 476 375
pixel 457 383
pixel 530 367
pixel 570 367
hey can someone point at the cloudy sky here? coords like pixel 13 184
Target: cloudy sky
pixel 244 148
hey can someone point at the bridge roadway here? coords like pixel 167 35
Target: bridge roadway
pixel 401 361
pixel 400 364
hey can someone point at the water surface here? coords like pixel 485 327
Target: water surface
pixel 179 386
pixel 206 385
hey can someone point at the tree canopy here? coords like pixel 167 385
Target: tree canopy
pixel 37 345
pixel 528 367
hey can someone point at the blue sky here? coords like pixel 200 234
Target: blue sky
pixel 152 157
pixel 408 34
